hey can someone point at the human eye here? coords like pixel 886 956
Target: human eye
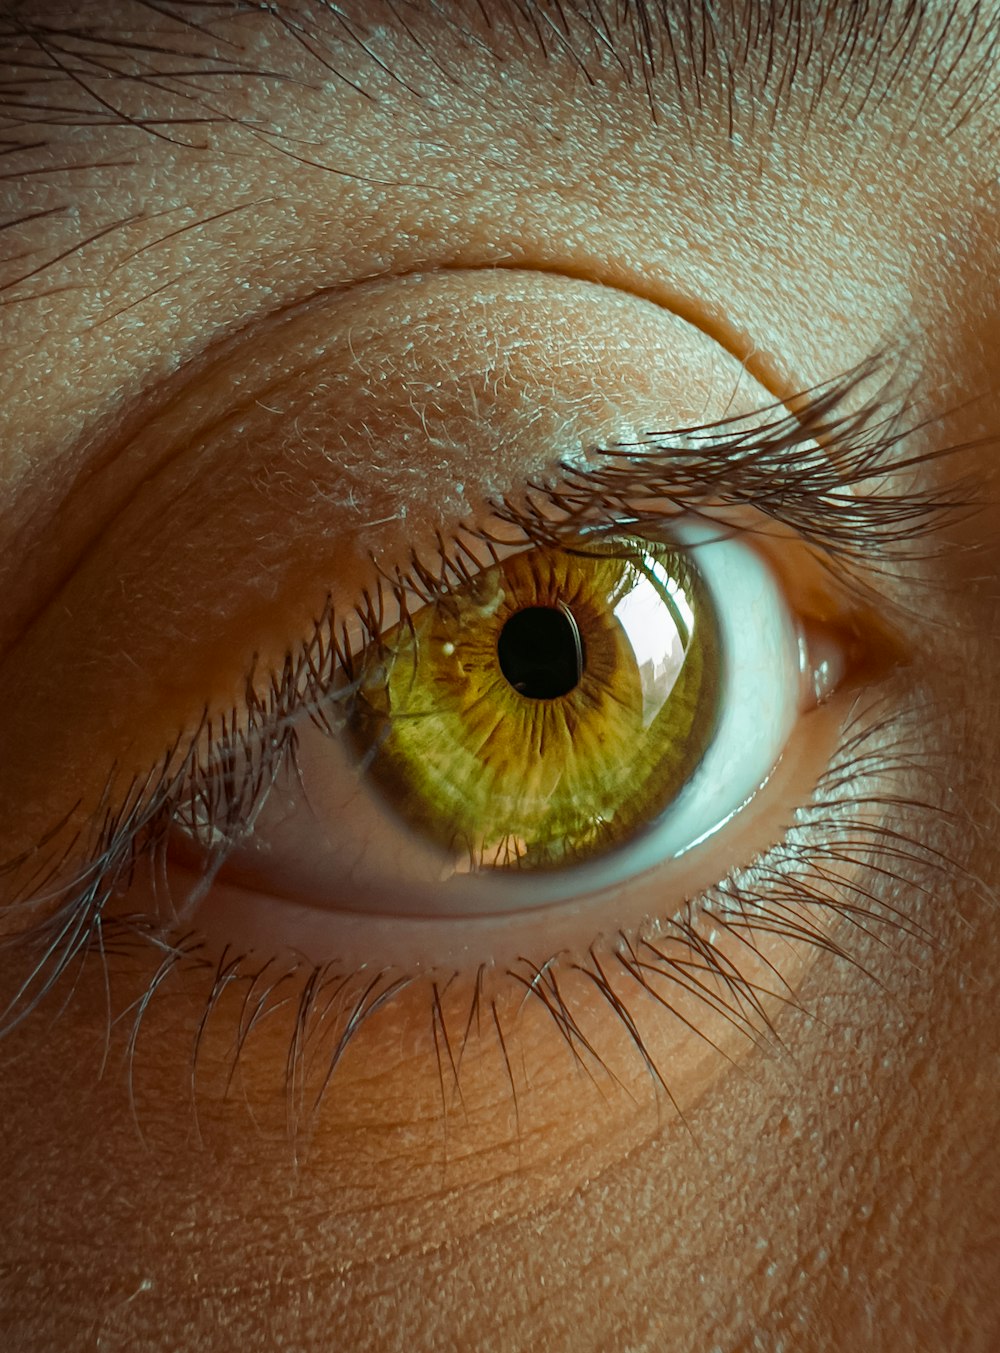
pixel 336 1003
pixel 528 734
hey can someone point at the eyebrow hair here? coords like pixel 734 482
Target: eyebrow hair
pixel 859 51
pixel 160 68
pixel 862 49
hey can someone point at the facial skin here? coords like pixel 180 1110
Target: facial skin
pixel 834 1189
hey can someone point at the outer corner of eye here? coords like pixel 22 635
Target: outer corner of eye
pixel 562 724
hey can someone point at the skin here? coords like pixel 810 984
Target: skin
pixel 837 1188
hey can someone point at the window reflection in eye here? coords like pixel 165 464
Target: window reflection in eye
pixel 511 851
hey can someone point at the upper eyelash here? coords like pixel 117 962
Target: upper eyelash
pixel 769 461
pixel 796 468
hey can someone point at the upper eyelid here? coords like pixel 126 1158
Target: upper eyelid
pixel 799 468
pixel 767 18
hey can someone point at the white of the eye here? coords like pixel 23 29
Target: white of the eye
pixel 341 850
pixel 759 700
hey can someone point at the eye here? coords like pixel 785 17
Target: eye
pixel 563 721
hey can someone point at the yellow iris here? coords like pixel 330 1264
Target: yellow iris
pixel 547 710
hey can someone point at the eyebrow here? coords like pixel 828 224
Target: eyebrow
pixel 854 50
pixel 160 69
pixel 860 50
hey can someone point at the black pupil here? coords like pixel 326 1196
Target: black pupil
pixel 540 652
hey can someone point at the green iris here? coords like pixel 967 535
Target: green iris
pixel 548 710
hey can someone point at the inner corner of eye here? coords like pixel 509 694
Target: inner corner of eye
pixel 557 724
pixel 845 644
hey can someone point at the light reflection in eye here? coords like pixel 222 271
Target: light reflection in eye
pixel 658 657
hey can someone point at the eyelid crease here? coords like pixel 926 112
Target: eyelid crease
pixel 125 456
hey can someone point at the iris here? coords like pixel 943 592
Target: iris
pixel 549 709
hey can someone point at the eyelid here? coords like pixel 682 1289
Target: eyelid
pixel 142 803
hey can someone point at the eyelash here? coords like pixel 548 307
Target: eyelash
pixel 772 467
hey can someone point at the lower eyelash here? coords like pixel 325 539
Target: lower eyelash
pixel 865 817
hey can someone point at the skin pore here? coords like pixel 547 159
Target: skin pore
pixel 188 188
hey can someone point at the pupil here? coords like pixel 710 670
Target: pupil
pixel 541 653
